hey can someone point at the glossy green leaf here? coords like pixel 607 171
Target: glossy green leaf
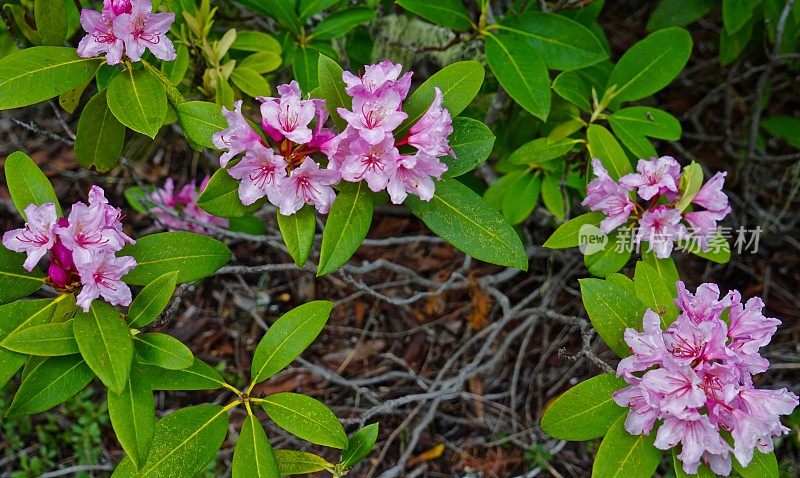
pixel 622 455
pixel 521 198
pixel 612 257
pixel 138 100
pixel 763 465
pixel 678 13
pixel 39 73
pixel 193 256
pixel 552 195
pixel 308 8
pixel 612 309
pixel 471 142
pixel 48 382
pixel 585 411
pixel 304 67
pixel 163 351
pixel 568 234
pixel 719 250
pixel 200 376
pixel 250 82
pixel 691 182
pixel 447 13
pixel 459 216
pixel 100 136
pixel 253 456
pixel 15 281
pixel 496 193
pixel 637 144
pixel 47 340
pixel 521 71
pixel 541 150
pixel 331 88
pixel 105 343
pixel 293 462
pixel 298 233
pixel 247 224
pixel 69 100
pixel 132 414
pixel 732 45
pixel 256 42
pixel 283 11
pixel 221 196
pixel 564 44
pixel 152 300
pixel 651 64
pixel 27 184
pixel 459 83
pixel 359 445
pixel 736 13
pixel 665 269
pixel 341 22
pixel 654 293
pixel 139 198
pixel 51 21
pixel 348 224
pixel 647 121
pixel 306 418
pixel 785 127
pixel 570 86
pixel 287 338
pixel 176 69
pixel 603 146
pixel 200 120
pixel 261 62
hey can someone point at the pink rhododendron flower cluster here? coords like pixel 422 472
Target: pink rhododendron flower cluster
pixel 657 181
pixel 128 26
pixel 184 201
pixel 367 150
pixel 82 248
pixel 698 380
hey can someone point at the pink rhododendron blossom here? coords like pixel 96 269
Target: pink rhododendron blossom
pixel 101 276
pixel 710 195
pixel 117 7
pixel 338 147
pixel 656 176
pixel 288 116
pixel 308 184
pixel 699 382
pixel 374 163
pixel 375 117
pixel 238 137
pixel 321 135
pixel 38 235
pixel 376 78
pixel 87 233
pixel 262 173
pixel 184 201
pixel 100 37
pixel 661 227
pixel 142 29
pixel 605 195
pixel 430 134
pixel 413 176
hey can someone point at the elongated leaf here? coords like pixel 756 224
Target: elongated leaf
pixel 138 100
pixel 359 445
pixel 51 21
pixel 200 376
pixel 678 13
pixel 646 121
pixel 288 337
pixel 163 351
pixel 732 45
pixel 221 197
pixel 612 257
pixel 304 66
pixel 306 418
pixel 784 127
pixel 27 183
pixel 763 465
pixel 342 22
pixel 40 73
pixel 19 315
pixel 16 282
pixel 69 100
pixel 585 411
pixel 298 233
pixel 199 120
pixel 175 70
pixel 521 198
pixel 293 462
pixel 654 293
pixel 463 219
pixel 568 234
pixel 47 340
pixel 193 256
pixel 253 456
pixel 564 44
pixel 132 414
pixel 348 224
pixel 262 62
pixel 736 13
pixel 105 343
pixel 152 300
pixel 622 455
pixel 612 309
pixel 250 82
pixel 651 64
pixel 521 71
pixel 48 382
pixel 570 86
pixel 471 142
pixel 100 136
pixel 283 11
pixel 308 8
pixel 552 196
pixel 331 88
pixel 665 269
pixel 691 182
pixel 447 13
pixel 603 146
pixel 541 150
pixel 459 83
pixel 636 143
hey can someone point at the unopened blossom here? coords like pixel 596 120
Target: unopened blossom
pixel 288 116
pixel 101 276
pixel 710 195
pixel 38 235
pixel 262 173
pixel 413 176
pixel 430 134
pixel 661 227
pixel 141 30
pixel 100 37
pixel 237 137
pixel 185 202
pixel 605 195
pixel 308 184
pixel 653 177
pixel 373 163
pixel 117 7
pixel 375 116
pixel 376 78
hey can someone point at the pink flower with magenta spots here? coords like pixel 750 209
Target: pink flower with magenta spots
pixel 237 137
pixel 697 436
pixel 605 195
pixel 413 176
pixel 100 37
pixel 376 78
pixel 288 116
pixel 184 201
pixel 38 235
pixel 373 163
pixel 710 195
pixel 262 173
pixel 656 176
pixel 101 276
pixel 375 117
pixel 141 30
pixel 661 227
pixel 308 184
pixel 430 134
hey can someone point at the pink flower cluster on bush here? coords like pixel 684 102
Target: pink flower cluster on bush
pixel 698 380
pixel 82 248
pixel 128 26
pixel 657 180
pixel 366 150
pixel 185 201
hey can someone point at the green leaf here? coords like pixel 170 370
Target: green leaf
pixel 250 82
pixel 732 45
pixel 175 70
pixel 702 471
pixel 308 8
pixel 603 146
pixel 221 196
pixel 612 309
pixel 100 136
pixel 193 256
pixel 39 73
pixel 637 144
pixel 521 71
pixel 255 41
pixel 521 198
pixel 459 216
pixel 298 233
pixel 105 343
pixel 459 83
pixel 139 198
pixel 304 67
pixel 293 462
pixel 564 44
pixel 27 184
pixel 331 88
pixel 305 418
pixel 647 121
pixel 570 86
pixel 654 293
pixel 51 21
pixel 552 196
pixel 48 340
pixel 736 13
pixel 152 300
pixel 622 455
pixel 496 193
pixel 678 13
pixel 764 465
pixel 665 269
pixel 200 120
pixel 541 150
pixel 283 11
pixel 691 182
pixel 447 13
pixel 15 281
pixel 568 234
pixel 200 376
pixel 612 257
pixel 719 250
pixel 359 445
pixel 471 142
pixel 348 224
pixel 287 338
pixel 69 100
pixel 585 411
pixel 47 382
pixel 261 62
pixel 132 414
pixel 253 456
pixel 138 100
pixel 651 64
pixel 785 127
pixel 341 22
pixel 162 351
pixel 248 224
